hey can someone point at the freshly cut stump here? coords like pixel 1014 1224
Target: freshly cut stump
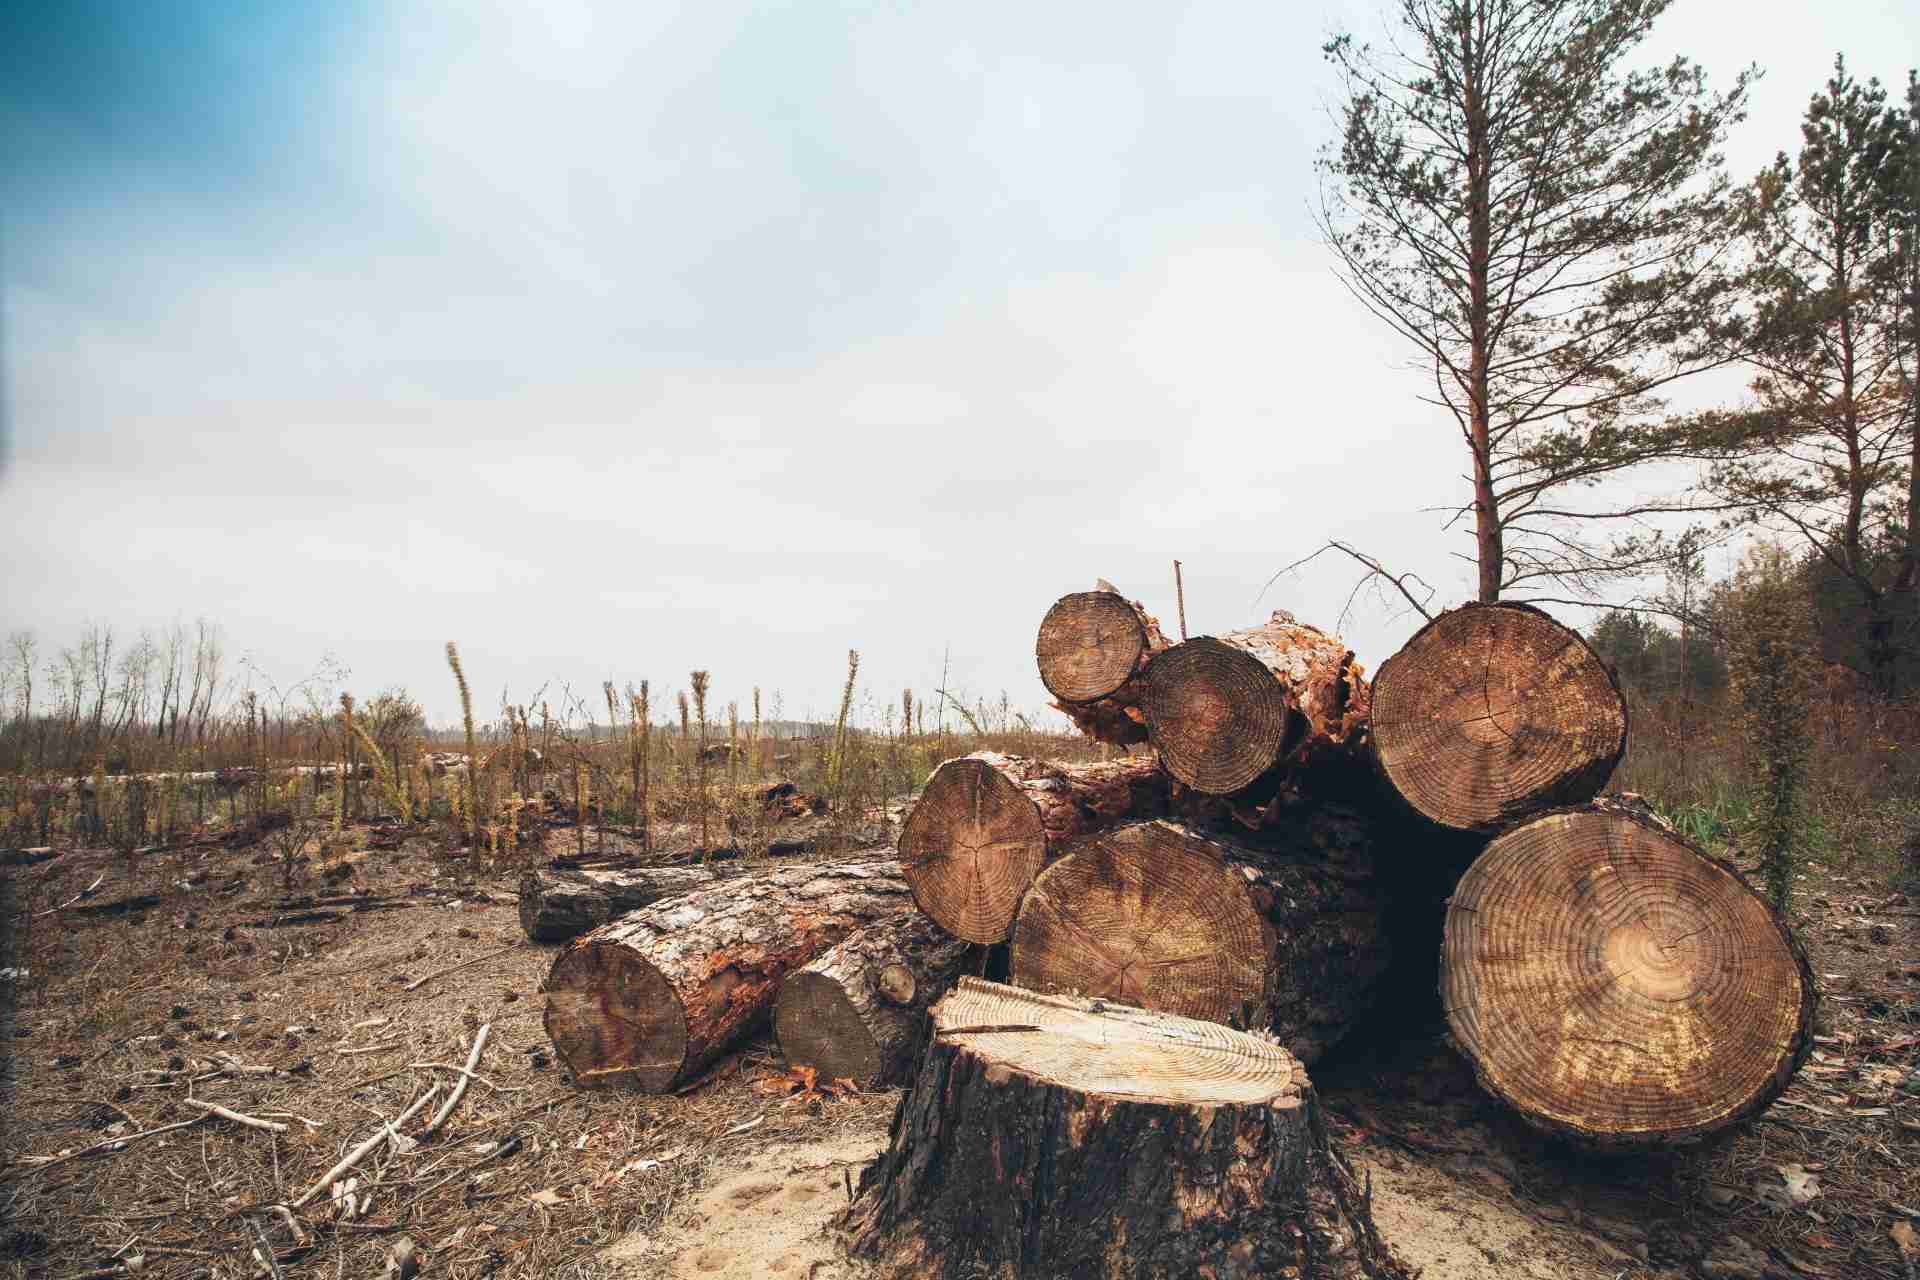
pixel 1495 711
pixel 1048 1137
pixel 1224 710
pixel 1615 985
pixel 558 905
pixel 651 998
pixel 1092 649
pixel 987 823
pixel 1287 937
pixel 859 1012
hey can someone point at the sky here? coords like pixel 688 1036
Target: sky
pixel 615 340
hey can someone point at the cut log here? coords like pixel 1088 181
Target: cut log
pixel 654 996
pixel 1223 710
pixel 1049 1137
pixel 859 1012
pixel 1495 711
pixel 1616 985
pixel 1286 937
pixel 987 823
pixel 558 905
pixel 1092 649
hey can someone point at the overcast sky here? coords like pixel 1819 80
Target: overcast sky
pixel 616 339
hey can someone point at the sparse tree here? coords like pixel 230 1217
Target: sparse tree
pixel 1832 420
pixel 1549 231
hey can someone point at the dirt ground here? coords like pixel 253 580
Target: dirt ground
pixel 332 1018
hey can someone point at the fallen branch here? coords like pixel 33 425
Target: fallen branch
pixel 460 1087
pixel 454 1066
pixel 420 982
pixel 361 1152
pixel 75 898
pixel 111 1144
pixel 251 1122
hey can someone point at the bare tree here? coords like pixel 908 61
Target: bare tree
pixel 1550 233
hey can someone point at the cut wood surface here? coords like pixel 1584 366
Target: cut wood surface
pixel 1223 710
pixel 987 823
pixel 1286 937
pixel 1495 711
pixel 649 999
pixel 1048 1137
pixel 1616 985
pixel 859 1012
pixel 1092 650
pixel 558 905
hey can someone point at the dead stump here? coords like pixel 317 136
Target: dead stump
pixel 1054 1138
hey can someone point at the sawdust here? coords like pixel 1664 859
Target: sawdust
pixel 768 1218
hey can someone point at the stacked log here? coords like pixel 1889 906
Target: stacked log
pixel 558 905
pixel 1285 936
pixel 1617 986
pixel 1051 1136
pixel 1093 651
pixel 987 823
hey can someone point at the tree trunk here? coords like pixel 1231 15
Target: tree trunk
pixel 1287 937
pixel 1093 650
pixel 1617 986
pixel 1493 712
pixel 1048 1137
pixel 654 996
pixel 859 1012
pixel 1224 710
pixel 558 905
pixel 987 823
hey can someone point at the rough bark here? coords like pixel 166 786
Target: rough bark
pixel 1617 986
pixel 1093 650
pixel 654 996
pixel 1049 1137
pixel 1495 711
pixel 1224 710
pixel 859 1012
pixel 558 905
pixel 987 823
pixel 1286 936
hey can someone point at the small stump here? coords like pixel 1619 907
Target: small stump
pixel 1055 1138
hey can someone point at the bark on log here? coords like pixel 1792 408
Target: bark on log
pixel 1223 710
pixel 654 996
pixel 1286 937
pixel 987 823
pixel 1616 985
pixel 1495 711
pixel 1048 1137
pixel 859 1012
pixel 1093 649
pixel 558 905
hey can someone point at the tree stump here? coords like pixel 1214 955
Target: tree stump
pixel 1224 710
pixel 558 905
pixel 1092 649
pixel 650 999
pixel 1286 937
pixel 1615 985
pixel 1047 1138
pixel 859 1012
pixel 987 823
pixel 1495 711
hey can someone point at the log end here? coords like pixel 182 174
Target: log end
pixel 1492 712
pixel 614 1019
pixel 1217 716
pixel 1090 644
pixel 970 848
pixel 818 1027
pixel 1617 986
pixel 1145 915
